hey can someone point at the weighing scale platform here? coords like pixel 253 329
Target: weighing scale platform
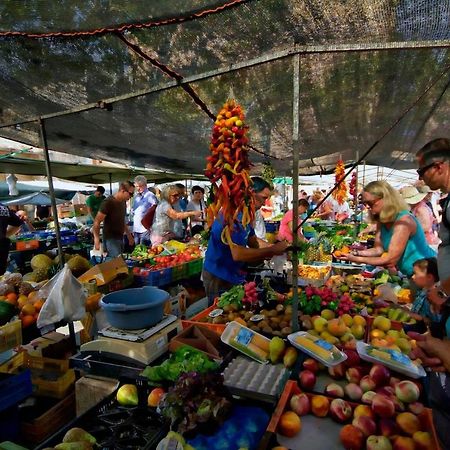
pixel 106 355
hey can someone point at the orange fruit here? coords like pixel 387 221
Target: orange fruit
pixel 12 296
pixel 38 305
pixel 33 295
pixel 27 321
pixel 28 309
pixel 154 397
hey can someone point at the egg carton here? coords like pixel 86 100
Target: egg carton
pixel 247 378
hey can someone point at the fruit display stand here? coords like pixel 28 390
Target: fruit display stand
pixel 10 335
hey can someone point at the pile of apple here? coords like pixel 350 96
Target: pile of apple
pixel 382 335
pixel 382 423
pixel 344 330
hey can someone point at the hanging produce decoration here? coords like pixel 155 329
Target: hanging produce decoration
pixel 340 193
pixel 268 172
pixel 353 185
pixel 228 170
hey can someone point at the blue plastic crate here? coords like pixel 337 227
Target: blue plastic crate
pixel 70 239
pixel 154 277
pixel 14 388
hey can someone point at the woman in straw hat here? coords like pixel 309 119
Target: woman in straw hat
pixel 399 240
pixel 416 200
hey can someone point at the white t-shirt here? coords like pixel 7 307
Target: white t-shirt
pixel 340 209
pixel 193 206
pixel 260 226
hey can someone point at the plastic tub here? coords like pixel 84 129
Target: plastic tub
pixel 132 309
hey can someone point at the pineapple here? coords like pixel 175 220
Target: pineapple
pixel 40 274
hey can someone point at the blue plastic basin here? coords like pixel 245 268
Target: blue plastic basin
pixel 132 309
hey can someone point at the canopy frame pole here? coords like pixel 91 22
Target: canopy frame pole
pixel 48 170
pixel 295 162
pixel 110 183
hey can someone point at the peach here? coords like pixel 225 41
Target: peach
pixel 353 391
pixel 423 440
pixel 407 391
pixel 353 358
pixel 403 443
pixel 367 397
pixel 416 408
pixel 365 424
pixel 337 371
pixel 340 410
pixel 300 404
pixel 351 438
pixel 307 379
pixel 388 427
pixel 311 364
pixel 290 424
pixel 378 443
pixel 408 423
pixel 334 390
pixel 379 374
pixel 154 397
pixel 353 375
pixel 337 327
pixel 367 384
pixel 320 406
pixel 363 410
pixel 387 391
pixel 383 406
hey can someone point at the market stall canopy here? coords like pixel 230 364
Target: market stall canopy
pixel 121 69
pixel 26 189
pixel 37 198
pixel 83 173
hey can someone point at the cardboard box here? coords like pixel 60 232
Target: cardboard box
pixel 105 272
pixel 89 391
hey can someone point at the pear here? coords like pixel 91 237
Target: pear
pixel 127 395
pixel 82 445
pixel 276 349
pixel 290 357
pixel 79 435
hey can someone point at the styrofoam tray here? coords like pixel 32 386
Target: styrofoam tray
pixel 251 379
pixel 412 371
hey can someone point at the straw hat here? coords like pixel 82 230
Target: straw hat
pixel 424 189
pixel 411 195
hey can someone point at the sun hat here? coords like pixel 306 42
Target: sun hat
pixel 411 195
pixel 424 189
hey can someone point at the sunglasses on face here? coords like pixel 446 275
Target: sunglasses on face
pixel 371 203
pixel 421 170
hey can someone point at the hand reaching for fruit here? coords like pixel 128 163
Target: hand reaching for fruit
pixel 434 353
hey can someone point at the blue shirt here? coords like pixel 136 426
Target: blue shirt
pixel 421 306
pixel 416 248
pixel 218 259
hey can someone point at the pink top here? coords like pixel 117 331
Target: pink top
pixel 425 217
pixel 285 231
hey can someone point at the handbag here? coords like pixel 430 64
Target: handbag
pixel 149 216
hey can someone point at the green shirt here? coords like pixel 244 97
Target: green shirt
pixel 94 203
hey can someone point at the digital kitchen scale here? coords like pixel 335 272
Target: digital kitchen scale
pixel 142 346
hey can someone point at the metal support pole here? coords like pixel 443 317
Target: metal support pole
pixel 48 169
pixel 296 151
pixel 355 198
pixel 110 183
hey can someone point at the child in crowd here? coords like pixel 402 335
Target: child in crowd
pixel 425 277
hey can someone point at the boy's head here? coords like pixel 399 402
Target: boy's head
pixel 425 272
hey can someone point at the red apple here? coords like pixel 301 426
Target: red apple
pixel 353 391
pixel 365 424
pixel 368 397
pixel 337 371
pixel 367 384
pixel 353 375
pixel 387 391
pixel 416 408
pixel 363 410
pixel 311 364
pixel 300 404
pixel 379 374
pixel 351 438
pixel 307 379
pixel 334 390
pixel 340 410
pixel 407 391
pixel 387 427
pixel 378 443
pixel 383 406
pixel 353 358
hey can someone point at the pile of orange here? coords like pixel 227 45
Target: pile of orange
pixel 29 308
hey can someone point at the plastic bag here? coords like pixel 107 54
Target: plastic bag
pixel 66 299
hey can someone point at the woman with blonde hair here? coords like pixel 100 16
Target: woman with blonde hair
pixel 325 210
pixel 399 240
pixel 166 216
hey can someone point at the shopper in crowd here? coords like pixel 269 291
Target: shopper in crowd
pixel 166 216
pixel 112 214
pixel 259 184
pixel 286 231
pixel 325 210
pixel 94 201
pixel 341 211
pixel 197 203
pixel 416 200
pixel 180 226
pixel 26 226
pixel 43 212
pixel 277 203
pixel 9 225
pixel 425 278
pixel 223 266
pixel 399 240
pixel 142 202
